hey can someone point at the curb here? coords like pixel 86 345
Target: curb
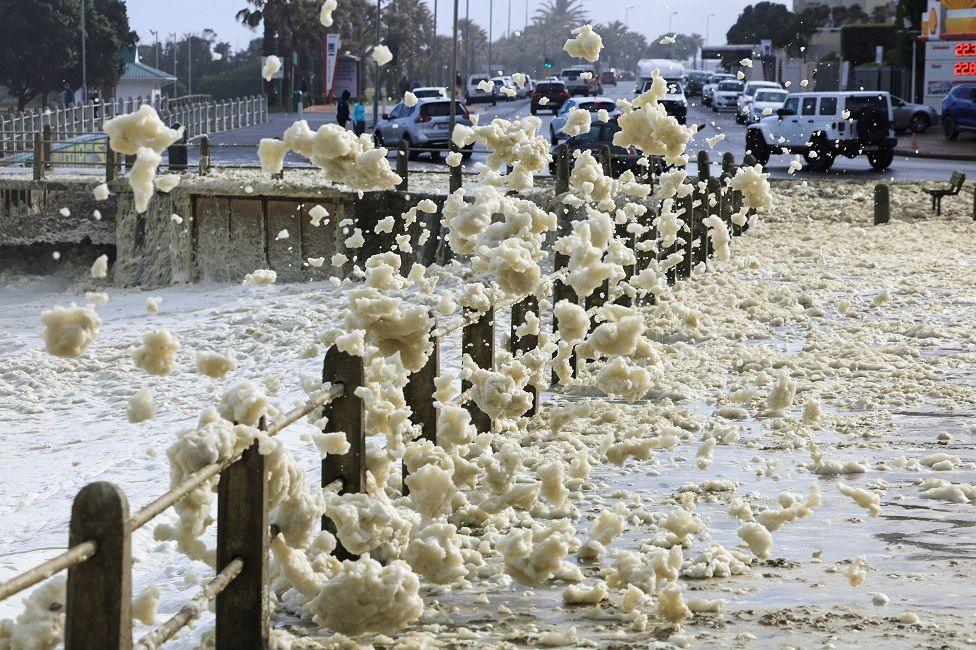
pixel 911 153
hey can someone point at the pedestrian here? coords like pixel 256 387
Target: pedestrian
pixel 342 109
pixel 69 95
pixel 359 116
pixel 96 100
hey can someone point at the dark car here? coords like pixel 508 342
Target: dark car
pixel 608 77
pixel 598 136
pixel 554 91
pixel 959 111
pixel 695 81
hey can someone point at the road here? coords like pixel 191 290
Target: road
pixel 903 168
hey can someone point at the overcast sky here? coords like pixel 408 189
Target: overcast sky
pixel 649 17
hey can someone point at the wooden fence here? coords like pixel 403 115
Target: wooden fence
pixel 198 114
pixel 98 606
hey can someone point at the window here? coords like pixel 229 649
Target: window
pixel 593 107
pixel 442 109
pixel 809 106
pixel 792 105
pixel 550 88
pixel 566 107
pixel 400 110
pixel 828 106
pixel 856 103
pixel 767 96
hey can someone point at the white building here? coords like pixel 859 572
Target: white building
pixel 139 79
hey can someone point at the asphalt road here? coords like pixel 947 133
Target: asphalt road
pixel 711 123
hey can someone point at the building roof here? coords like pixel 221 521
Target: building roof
pixel 139 70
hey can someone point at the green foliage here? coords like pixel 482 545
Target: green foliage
pixel 30 71
pixel 765 20
pixel 858 42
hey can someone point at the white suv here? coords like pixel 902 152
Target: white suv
pixel 822 126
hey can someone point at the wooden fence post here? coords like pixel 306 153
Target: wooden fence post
pixel 606 160
pixel 713 189
pixel 98 606
pixel 478 340
pixel 205 155
pixel 596 300
pixel 882 204
pixel 47 146
pixel 419 395
pixel 454 175
pixel 562 291
pixel 243 608
pixel 527 343
pixel 704 166
pixel 345 413
pixel 111 162
pixel 38 156
pixel 562 169
pixel 688 202
pixel 402 170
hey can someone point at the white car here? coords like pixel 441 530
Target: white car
pixel 474 92
pixel 726 96
pixel 766 102
pixel 511 91
pixel 822 126
pixel 708 90
pixel 748 92
pixel 675 102
pixel 591 104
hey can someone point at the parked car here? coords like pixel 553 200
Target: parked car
pixel 708 90
pixel 426 124
pixel 766 102
pixel 695 82
pixel 726 96
pixel 588 104
pixel 577 85
pixel 505 82
pixel 959 111
pixel 608 77
pixel 473 93
pixel 822 126
pixel 599 135
pixel 675 103
pixel 554 91
pixel 916 118
pixel 748 92
pixel 430 91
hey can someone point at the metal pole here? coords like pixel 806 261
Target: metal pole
pixel 467 34
pixel 189 64
pixel 491 21
pixel 176 77
pixel 156 38
pixel 435 66
pixel 376 88
pixel 914 69
pixel 84 63
pixel 508 30
pixel 454 70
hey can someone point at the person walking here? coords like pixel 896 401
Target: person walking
pixel 342 109
pixel 359 116
pixel 69 95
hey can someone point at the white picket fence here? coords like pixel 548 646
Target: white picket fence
pixel 199 114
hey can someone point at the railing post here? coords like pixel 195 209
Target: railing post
pixel 606 160
pixel 98 606
pixel 704 166
pixel 562 291
pixel 685 267
pixel 882 204
pixel 419 396
pixel 345 413
pixel 38 156
pixel 205 155
pixel 402 157
pixel 713 189
pixel 47 146
pixel 527 343
pixel 478 340
pixel 562 169
pixel 595 300
pixel 243 608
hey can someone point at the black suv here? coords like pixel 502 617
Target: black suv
pixel 555 91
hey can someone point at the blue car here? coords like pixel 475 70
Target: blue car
pixel 959 111
pixel 425 125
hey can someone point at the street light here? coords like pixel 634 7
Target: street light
pixel 708 20
pixel 627 15
pixel 189 64
pixel 176 77
pixel 670 16
pixel 156 38
pixel 84 63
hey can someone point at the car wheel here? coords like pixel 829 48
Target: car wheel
pixel 881 160
pixel 824 158
pixel 756 143
pixel 949 127
pixel 920 123
pixel 377 138
pixel 413 153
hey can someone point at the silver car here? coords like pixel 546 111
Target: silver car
pixel 426 124
pixel 591 104
pixel 916 118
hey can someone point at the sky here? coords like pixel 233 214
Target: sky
pixel 649 17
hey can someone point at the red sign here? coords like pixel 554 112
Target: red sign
pixel 964 69
pixel 964 50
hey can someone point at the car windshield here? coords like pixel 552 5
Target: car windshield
pixel 697 76
pixel 770 96
pixel 593 107
pixel 730 85
pixel 571 74
pixel 428 92
pixel 441 109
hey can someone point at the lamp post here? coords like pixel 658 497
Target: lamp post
pixel 454 70
pixel 84 63
pixel 376 85
pixel 491 20
pixel 176 77
pixel 627 15
pixel 189 64
pixel 156 39
pixel 670 16
pixel 435 69
pixel 467 35
pixel 708 20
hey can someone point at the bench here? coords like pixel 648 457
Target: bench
pixel 955 186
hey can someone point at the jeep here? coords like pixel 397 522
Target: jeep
pixel 822 126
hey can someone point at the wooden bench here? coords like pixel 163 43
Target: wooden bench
pixel 955 186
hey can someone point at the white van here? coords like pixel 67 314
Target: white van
pixel 670 70
pixel 822 126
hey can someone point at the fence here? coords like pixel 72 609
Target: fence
pixel 99 558
pixel 198 114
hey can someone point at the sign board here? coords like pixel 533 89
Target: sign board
pixel 947 63
pixel 347 76
pixel 766 45
pixel 332 42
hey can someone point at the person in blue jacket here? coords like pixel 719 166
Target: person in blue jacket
pixel 359 116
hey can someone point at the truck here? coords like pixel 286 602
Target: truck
pixel 577 85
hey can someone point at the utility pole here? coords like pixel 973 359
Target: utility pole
pixel 508 30
pixel 84 63
pixel 467 35
pixel 435 66
pixel 189 64
pixel 491 22
pixel 376 88
pixel 176 77
pixel 454 70
pixel 156 38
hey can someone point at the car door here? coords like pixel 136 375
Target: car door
pixel 903 113
pixel 806 124
pixel 788 125
pixel 390 127
pixel 559 121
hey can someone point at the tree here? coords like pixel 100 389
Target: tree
pixel 621 47
pixel 30 73
pixel 684 47
pixel 764 20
